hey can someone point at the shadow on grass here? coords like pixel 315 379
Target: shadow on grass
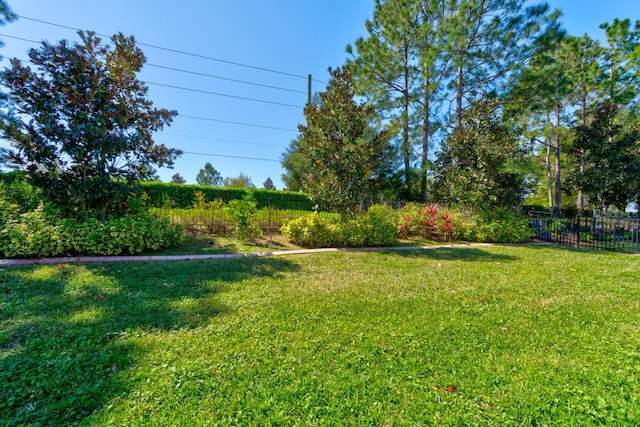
pixel 68 331
pixel 207 245
pixel 454 254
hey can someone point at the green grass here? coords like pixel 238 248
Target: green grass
pixel 467 336
pixel 205 245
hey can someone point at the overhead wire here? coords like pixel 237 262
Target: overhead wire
pixel 244 98
pixel 187 71
pixel 236 123
pixel 224 78
pixel 233 157
pixel 182 52
pixel 206 138
pixel 205 92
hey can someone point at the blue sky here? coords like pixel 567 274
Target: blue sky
pixel 297 37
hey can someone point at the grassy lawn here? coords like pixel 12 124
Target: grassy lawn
pixel 204 245
pixel 470 336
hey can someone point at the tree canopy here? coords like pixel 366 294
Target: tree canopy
pixel 348 157
pixel 473 165
pixel 83 125
pixel 208 175
pixel 240 181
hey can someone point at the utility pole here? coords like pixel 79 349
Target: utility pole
pixel 308 88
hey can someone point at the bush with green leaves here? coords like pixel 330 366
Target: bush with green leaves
pixel 242 213
pixel 312 231
pixel 495 226
pixel 42 234
pixel 125 235
pixel 32 234
pixel 376 227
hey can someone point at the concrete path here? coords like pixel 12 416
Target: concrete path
pixel 152 258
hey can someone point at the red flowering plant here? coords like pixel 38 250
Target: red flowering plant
pixel 428 219
pixel 447 226
pixel 405 226
pixel 425 221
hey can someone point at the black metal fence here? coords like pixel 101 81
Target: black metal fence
pixel 608 233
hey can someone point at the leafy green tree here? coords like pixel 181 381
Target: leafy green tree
pixel 586 71
pixel 294 165
pixel 349 159
pixel 5 158
pixel 240 181
pixel 487 40
pixel 541 96
pixel 84 125
pixel 622 58
pixel 6 16
pixel 611 157
pixel 384 66
pixel 176 178
pixel 268 184
pixel 209 176
pixel 398 66
pixel 474 165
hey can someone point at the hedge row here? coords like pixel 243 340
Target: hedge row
pixel 161 194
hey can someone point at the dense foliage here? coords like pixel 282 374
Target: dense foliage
pixel 209 176
pixel 39 233
pixel 161 194
pixel 383 226
pixel 425 64
pixel 82 125
pixel 610 159
pixel 472 167
pixel 30 228
pixel 376 227
pixel 347 157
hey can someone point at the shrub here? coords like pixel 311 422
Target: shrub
pixel 183 196
pixel 39 234
pixel 31 234
pixel 242 213
pixel 427 221
pixel 313 231
pixel 499 226
pixel 377 227
pixel 381 224
pixel 117 236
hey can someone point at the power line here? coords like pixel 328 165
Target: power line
pixel 20 38
pixel 195 55
pixel 224 78
pixel 187 71
pixel 236 123
pixel 223 94
pixel 233 157
pixel 222 140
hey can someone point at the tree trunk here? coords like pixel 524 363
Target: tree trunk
pixel 547 163
pixel 406 146
pixel 558 205
pixel 425 140
pixel 583 116
pixel 459 94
